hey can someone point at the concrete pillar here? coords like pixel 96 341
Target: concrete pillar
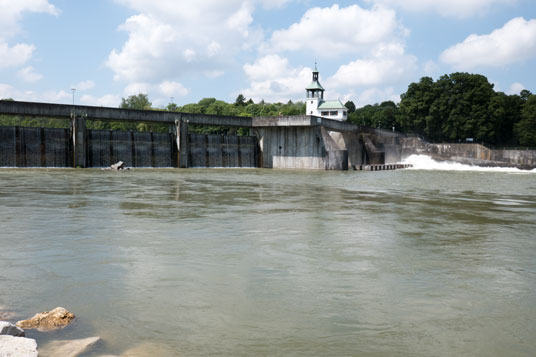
pixel 183 145
pixel 78 125
pixel 337 160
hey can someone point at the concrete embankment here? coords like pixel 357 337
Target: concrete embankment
pixel 471 154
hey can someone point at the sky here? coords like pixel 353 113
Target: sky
pixel 180 51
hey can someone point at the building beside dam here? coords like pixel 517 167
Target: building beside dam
pixel 317 106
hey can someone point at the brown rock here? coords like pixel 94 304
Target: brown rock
pixel 69 348
pixel 48 320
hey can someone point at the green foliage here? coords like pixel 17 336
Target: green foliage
pixel 351 106
pixel 525 129
pixel 140 101
pixel 459 106
pixel 382 115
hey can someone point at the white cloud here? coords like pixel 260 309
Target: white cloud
pixel 49 96
pixel 516 88
pixel 274 4
pixel 84 85
pixel 28 74
pixel 273 79
pixel 376 95
pixel 108 100
pixel 15 56
pixel 11 12
pixel 137 88
pixel 453 8
pixel 514 42
pixel 172 89
pixel 156 91
pixel 334 30
pixel 170 39
pixel 388 64
pixel 431 68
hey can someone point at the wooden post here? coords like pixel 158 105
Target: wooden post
pixel 78 125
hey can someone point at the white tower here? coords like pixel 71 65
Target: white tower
pixel 315 94
pixel 317 106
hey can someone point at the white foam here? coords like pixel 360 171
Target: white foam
pixel 424 162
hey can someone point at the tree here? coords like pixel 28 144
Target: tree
pixel 240 101
pixel 140 101
pixel 350 106
pixel 455 107
pixel 525 129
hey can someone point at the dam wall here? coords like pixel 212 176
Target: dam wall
pixel 51 147
pixel 469 153
pixel 34 147
pixel 223 151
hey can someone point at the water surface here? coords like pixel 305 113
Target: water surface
pixel 275 262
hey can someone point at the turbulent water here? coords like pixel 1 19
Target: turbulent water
pixel 190 262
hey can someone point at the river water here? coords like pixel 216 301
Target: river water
pixel 427 261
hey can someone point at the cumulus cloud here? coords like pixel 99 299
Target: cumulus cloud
pixel 49 96
pixel 11 13
pixel 169 39
pixel 28 74
pixel 388 64
pixel 108 100
pixel 172 89
pixel 451 8
pixel 164 88
pixel 516 88
pixel 333 31
pixel 16 55
pixel 273 79
pixel 274 4
pixel 84 85
pixel 514 42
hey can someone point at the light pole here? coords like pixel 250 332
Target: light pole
pixel 73 89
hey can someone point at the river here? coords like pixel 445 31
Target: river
pixel 429 261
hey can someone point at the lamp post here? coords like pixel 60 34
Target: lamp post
pixel 73 89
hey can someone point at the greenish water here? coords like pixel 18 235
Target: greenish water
pixel 268 262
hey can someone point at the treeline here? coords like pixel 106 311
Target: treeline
pixel 455 108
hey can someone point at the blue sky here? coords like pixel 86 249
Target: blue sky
pixel 367 51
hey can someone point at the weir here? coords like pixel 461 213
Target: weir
pixel 293 142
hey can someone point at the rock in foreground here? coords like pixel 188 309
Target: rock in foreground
pixel 48 320
pixel 11 346
pixel 7 328
pixel 71 348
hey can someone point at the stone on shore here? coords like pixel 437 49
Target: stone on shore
pixel 48 320
pixel 7 328
pixel 11 346
pixel 68 348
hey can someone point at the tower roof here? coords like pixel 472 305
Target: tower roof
pixel 315 85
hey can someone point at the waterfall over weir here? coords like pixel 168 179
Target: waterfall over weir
pixel 223 151
pixel 135 149
pixel 50 147
pixel 34 147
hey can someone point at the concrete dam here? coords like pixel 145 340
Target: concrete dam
pixel 293 142
pixel 286 142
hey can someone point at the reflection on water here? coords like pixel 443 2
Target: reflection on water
pixel 268 262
